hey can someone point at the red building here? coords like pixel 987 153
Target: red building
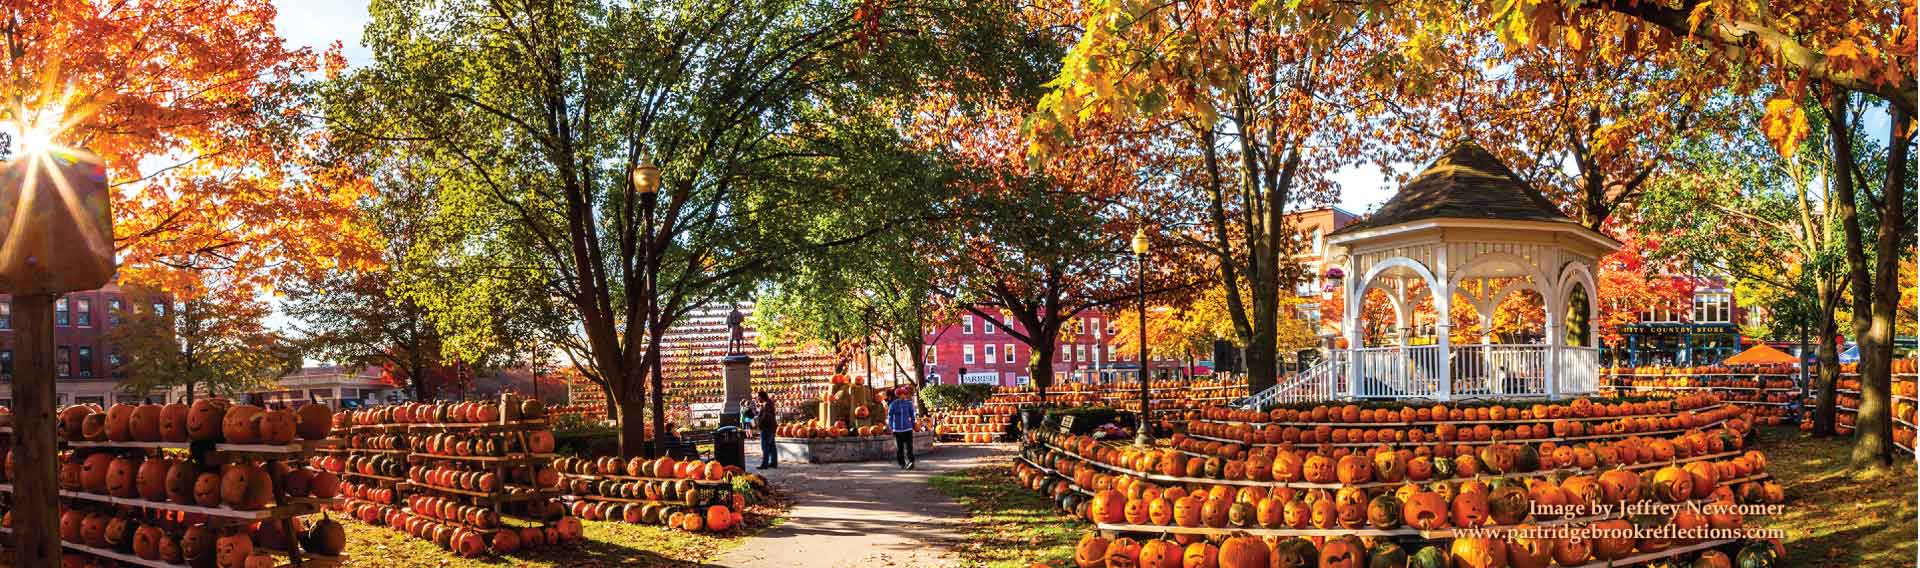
pixel 83 357
pixel 976 350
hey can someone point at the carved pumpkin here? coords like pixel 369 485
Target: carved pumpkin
pixel 1612 539
pixel 196 543
pixel 1294 552
pixel 1619 485
pixel 1343 552
pixel 120 477
pixel 239 425
pixel 145 425
pixel 1528 551
pixel 1426 510
pixel 1200 555
pixel 206 418
pixel 1243 552
pixel 1509 505
pixel 246 487
pixel 1384 511
pixel 1108 507
pixel 1160 554
pixel 72 419
pixel 1214 512
pixel 93 529
pixel 231 551
pixel 1385 553
pixel 1478 553
pixel 119 422
pixel 169 549
pixel 275 427
pixel 1350 507
pixel 93 472
pixel 151 479
pixel 173 423
pixel 1318 469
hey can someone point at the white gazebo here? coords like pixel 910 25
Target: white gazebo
pixel 1470 230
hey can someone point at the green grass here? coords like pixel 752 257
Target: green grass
pixel 1833 516
pixel 1010 526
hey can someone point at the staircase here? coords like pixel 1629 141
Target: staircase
pixel 1318 383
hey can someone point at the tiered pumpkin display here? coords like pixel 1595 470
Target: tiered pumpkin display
pixel 659 491
pixel 1444 467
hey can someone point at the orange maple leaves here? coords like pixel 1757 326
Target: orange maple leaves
pixel 197 109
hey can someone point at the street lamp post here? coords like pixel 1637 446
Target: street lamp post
pixel 646 179
pixel 1144 437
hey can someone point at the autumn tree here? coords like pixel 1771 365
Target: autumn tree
pixel 214 341
pixel 1263 100
pixel 880 291
pixel 755 112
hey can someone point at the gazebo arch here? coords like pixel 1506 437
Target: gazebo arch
pixel 1466 217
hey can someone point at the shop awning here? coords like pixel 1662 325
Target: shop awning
pixel 1761 354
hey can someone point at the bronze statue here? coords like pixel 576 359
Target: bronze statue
pixel 734 331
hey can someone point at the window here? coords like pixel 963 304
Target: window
pixel 988 325
pixel 1319 242
pixel 966 354
pixel 6 362
pixel 83 312
pixel 1112 329
pixel 992 352
pixel 6 315
pixel 159 308
pixel 1712 308
pixel 933 356
pixel 1080 352
pixel 1066 352
pixel 966 325
pixel 113 363
pixel 1007 351
pixel 86 361
pixel 1094 324
pixel 63 361
pixel 114 306
pixel 60 312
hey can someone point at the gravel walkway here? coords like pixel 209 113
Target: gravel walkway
pixel 863 514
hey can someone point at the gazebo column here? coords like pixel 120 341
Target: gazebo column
pixel 1443 322
pixel 1356 294
pixel 1556 314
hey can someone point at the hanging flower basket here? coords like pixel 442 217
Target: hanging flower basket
pixel 1335 273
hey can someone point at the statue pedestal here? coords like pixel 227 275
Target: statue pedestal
pixel 730 446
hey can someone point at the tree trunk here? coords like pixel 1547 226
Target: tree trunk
pixel 1873 443
pixel 1828 357
pixel 612 402
pixel 36 510
pixel 1040 362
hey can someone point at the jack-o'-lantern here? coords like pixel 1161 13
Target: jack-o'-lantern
pixel 1723 514
pixel 1384 511
pixel 1243 552
pixel 1572 551
pixel 120 477
pixel 1158 553
pixel 196 543
pixel 151 479
pixel 1425 510
pixel 1214 512
pixel 275 427
pixel 1509 505
pixel 1325 515
pixel 1619 485
pixel 206 418
pixel 1286 467
pixel 1200 555
pixel 1318 469
pixel 239 426
pixel 1272 512
pixel 179 482
pixel 70 524
pixel 1186 511
pixel 1583 490
pixel 1479 553
pixel 1091 552
pixel 93 472
pixel 169 549
pixel 1343 552
pixel 1350 507
pixel 93 529
pixel 144 425
pixel 146 542
pixel 1470 509
pixel 1612 539
pixel 94 427
pixel 1525 549
pixel 313 421
pixel 119 422
pixel 173 423
pixel 72 419
pixel 207 489
pixel 231 551
pixel 1354 468
pixel 1295 552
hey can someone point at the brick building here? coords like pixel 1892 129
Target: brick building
pixel 84 359
pixel 976 350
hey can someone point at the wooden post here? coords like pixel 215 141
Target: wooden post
pixel 36 505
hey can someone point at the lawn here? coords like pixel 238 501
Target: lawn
pixel 1834 517
pixel 1011 527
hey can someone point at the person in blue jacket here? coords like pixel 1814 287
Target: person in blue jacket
pixel 900 420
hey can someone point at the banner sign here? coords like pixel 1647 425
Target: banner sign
pixel 980 379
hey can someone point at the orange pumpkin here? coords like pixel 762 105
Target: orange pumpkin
pixel 1201 555
pixel 1243 552
pixel 1478 553
pixel 1091 552
pixel 1123 552
pixel 1470 509
pixel 1612 539
pixel 1425 510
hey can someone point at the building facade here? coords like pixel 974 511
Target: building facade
pixel 1703 333
pixel 84 358
pixel 979 351
pixel 1314 225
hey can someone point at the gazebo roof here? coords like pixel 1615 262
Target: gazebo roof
pixel 1467 182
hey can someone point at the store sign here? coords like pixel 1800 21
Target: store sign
pixel 980 379
pixel 1679 329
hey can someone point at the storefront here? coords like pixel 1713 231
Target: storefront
pixel 1679 344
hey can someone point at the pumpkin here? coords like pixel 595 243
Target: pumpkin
pixel 206 418
pixel 1270 515
pixel 93 472
pixel 1214 512
pixel 1354 469
pixel 1426 510
pixel 1243 552
pixel 151 479
pixel 1384 511
pixel 1240 515
pixel 1612 539
pixel 1343 552
pixel 196 543
pixel 313 421
pixel 1108 507
pixel 1619 485
pixel 144 426
pixel 1470 509
pixel 1160 554
pixel 275 427
pixel 94 427
pixel 1350 507
pixel 1091 552
pixel 1295 552
pixel 120 477
pixel 1386 554
pixel 1186 511
pixel 326 537
pixel 231 551
pixel 245 487
pixel 1478 553
pixel 1123 552
pixel 238 425
pixel 1712 559
pixel 1430 557
pixel 719 518
pixel 1318 469
pixel 506 541
pixel 1527 551
pixel 173 423
pixel 1509 505
pixel 120 422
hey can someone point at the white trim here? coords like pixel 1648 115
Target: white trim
pixel 1567 226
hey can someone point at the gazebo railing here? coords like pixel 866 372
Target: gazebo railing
pixel 1579 370
pixel 1396 372
pixel 1319 383
pixel 1499 370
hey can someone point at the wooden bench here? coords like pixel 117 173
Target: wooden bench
pixel 689 446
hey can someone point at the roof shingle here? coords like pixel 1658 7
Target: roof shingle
pixel 1467 182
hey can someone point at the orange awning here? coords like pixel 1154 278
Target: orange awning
pixel 1761 354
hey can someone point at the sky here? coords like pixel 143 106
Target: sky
pixel 319 23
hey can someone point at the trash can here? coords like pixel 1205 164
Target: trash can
pixel 730 446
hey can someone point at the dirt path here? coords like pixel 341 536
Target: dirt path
pixel 863 514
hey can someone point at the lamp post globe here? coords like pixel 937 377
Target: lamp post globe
pixel 646 176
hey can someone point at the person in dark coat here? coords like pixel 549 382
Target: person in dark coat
pixel 763 419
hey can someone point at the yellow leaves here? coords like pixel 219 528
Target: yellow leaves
pixel 1698 15
pixel 1574 40
pixel 1785 124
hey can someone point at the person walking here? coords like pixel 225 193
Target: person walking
pixel 900 420
pixel 763 420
